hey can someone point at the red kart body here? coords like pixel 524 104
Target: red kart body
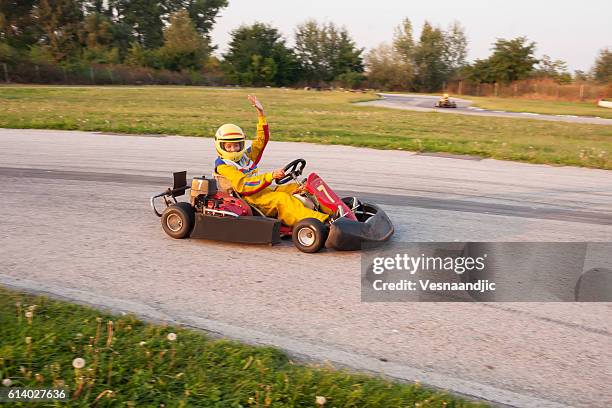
pixel 221 214
pixel 327 199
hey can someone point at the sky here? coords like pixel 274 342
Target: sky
pixel 573 31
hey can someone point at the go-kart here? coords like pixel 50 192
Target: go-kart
pixel 215 211
pixel 445 103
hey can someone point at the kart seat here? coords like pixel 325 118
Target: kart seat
pixel 224 185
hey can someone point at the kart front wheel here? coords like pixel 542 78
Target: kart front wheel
pixel 309 235
pixel 178 219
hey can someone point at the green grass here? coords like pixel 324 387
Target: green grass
pixel 541 106
pixel 306 116
pixel 136 364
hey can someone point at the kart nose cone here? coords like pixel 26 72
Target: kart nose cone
pixel 349 235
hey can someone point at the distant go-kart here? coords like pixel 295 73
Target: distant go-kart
pixel 445 102
pixel 215 211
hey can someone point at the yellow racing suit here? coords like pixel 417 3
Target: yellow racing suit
pixel 273 201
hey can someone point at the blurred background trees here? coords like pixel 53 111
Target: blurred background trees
pixel 511 60
pixel 258 56
pixel 602 71
pixel 151 41
pixel 425 65
pixel 327 53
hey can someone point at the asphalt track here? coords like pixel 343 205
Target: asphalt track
pixel 76 224
pixel 425 103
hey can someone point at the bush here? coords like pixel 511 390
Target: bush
pixel 39 54
pixel 350 79
pixel 7 53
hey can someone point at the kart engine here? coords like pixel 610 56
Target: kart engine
pixel 207 199
pixel 221 205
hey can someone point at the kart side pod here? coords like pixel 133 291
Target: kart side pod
pixel 244 230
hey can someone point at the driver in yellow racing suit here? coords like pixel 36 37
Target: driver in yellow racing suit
pixel 239 165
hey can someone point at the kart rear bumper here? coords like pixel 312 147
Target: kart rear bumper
pixel 349 235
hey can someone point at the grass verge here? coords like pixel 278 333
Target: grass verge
pixel 131 363
pixel 303 116
pixel 541 106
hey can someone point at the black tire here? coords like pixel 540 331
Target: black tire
pixel 178 219
pixel 309 235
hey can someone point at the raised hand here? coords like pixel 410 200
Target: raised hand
pixel 256 104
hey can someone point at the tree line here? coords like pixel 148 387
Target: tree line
pixel 174 35
pixel 439 56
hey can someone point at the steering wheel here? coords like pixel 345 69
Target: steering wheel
pixel 292 171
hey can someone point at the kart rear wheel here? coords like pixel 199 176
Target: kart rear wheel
pixel 178 219
pixel 309 235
